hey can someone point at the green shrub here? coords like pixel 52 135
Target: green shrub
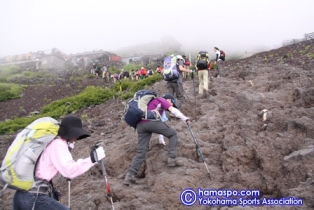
pixel 311 55
pixel 78 79
pixel 8 71
pixel 10 91
pixel 90 96
pixel 26 73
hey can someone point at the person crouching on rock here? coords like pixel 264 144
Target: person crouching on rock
pixel 57 158
pixel 145 128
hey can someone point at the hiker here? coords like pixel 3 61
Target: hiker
pixel 219 60
pixel 137 74
pixel 202 67
pixel 57 158
pixel 145 129
pixel 187 66
pixel 133 74
pixel 104 71
pixel 150 72
pixel 107 76
pixel 115 77
pixel 159 69
pixel 143 73
pixel 176 86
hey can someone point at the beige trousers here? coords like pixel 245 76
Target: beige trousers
pixel 203 79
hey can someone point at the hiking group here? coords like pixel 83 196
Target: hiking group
pixel 136 75
pixel 43 148
pixel 204 65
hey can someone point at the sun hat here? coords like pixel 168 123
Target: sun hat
pixel 71 128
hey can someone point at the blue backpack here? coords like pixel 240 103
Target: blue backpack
pixel 136 108
pixel 170 68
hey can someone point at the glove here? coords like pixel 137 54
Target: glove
pixel 97 153
pixel 161 139
pixel 192 70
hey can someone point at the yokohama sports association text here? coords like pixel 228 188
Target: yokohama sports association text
pixel 227 197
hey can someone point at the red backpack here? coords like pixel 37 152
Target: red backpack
pixel 143 71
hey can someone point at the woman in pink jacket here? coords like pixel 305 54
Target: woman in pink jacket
pixel 57 158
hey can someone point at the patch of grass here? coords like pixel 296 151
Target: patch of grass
pixel 78 79
pixel 311 55
pixel 90 96
pixel 8 71
pixel 84 116
pixel 10 91
pixel 89 76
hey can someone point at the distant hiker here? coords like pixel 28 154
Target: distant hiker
pixel 159 69
pixel 143 73
pixel 126 74
pixel 107 76
pixel 187 66
pixel 150 72
pixel 202 65
pixel 133 74
pixel 145 129
pixel 115 77
pixel 175 86
pixel 220 57
pixel 104 71
pixel 137 75
pixel 97 70
pixel 55 158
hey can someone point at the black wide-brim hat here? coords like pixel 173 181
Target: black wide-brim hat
pixel 71 128
pixel 172 98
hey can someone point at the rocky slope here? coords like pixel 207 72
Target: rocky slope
pixel 244 148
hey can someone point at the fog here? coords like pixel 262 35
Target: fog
pixel 75 26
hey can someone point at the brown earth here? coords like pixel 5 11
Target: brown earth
pixel 242 151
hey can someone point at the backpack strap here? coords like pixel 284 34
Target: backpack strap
pixel 156 113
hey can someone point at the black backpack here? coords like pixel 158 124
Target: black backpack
pixel 126 74
pixel 202 60
pixel 222 55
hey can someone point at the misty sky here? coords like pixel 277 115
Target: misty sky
pixel 84 25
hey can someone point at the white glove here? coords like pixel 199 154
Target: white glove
pixel 161 139
pixel 97 154
pixel 100 153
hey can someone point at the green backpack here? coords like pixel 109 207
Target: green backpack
pixel 18 167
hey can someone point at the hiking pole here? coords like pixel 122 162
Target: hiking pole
pixel 198 150
pixel 102 162
pixel 69 193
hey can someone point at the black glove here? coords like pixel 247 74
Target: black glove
pixel 97 153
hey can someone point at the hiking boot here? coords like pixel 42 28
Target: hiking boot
pixel 129 179
pixel 175 162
